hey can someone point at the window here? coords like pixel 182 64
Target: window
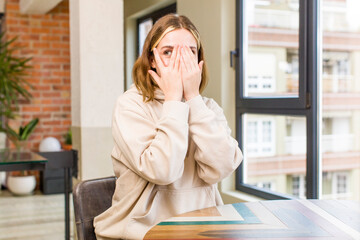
pixel 340 99
pixel 260 137
pixel 336 185
pixel 298 186
pixel 277 97
pixel 145 23
pixel 271 150
pixel 341 183
pixel 297 66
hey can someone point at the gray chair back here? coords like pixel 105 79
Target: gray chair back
pixel 91 197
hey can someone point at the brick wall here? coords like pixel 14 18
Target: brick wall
pixel 45 38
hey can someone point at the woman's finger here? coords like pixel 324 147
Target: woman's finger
pixel 173 56
pixel 183 62
pixel 191 61
pixel 186 59
pixel 178 58
pixel 155 76
pixel 158 59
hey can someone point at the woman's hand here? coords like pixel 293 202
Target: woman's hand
pixel 191 73
pixel 169 77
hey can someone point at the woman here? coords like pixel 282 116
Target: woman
pixel 172 146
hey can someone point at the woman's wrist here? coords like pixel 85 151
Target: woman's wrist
pixel 191 96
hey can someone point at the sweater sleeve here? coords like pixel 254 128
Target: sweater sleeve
pixel 155 150
pixel 217 153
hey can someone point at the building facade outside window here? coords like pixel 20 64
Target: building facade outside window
pixel 275 150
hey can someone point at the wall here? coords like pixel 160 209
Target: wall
pixel 45 38
pixel 97 71
pixel 134 9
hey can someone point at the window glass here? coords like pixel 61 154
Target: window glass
pixel 275 152
pixel 144 28
pixel 272 42
pixel 340 99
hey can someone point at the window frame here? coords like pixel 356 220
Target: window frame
pixel 306 104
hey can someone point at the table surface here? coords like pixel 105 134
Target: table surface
pixel 273 219
pixel 12 156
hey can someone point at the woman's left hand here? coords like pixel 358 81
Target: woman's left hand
pixel 191 73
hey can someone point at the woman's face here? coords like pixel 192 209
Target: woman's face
pixel 170 40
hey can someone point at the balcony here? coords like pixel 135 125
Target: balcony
pixel 330 143
pixel 330 83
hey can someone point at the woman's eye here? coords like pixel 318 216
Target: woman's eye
pixel 167 53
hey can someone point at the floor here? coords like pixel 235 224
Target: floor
pixel 34 217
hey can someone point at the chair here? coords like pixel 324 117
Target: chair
pixel 91 197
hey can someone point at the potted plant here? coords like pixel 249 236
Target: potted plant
pixel 68 140
pixel 21 182
pixel 13 88
pixel 19 138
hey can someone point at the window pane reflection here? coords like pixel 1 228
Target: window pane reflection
pixel 275 152
pixel 271 62
pixel 341 99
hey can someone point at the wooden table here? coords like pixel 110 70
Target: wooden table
pixel 276 219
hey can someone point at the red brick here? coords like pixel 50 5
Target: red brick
pixel 51 109
pixel 42 116
pixel 40 74
pixel 65 38
pixel 41 59
pixel 31 109
pixel 60 45
pixel 51 66
pixel 60 31
pixel 33 80
pixel 46 101
pixel 51 94
pixel 43 87
pixel 51 52
pixel 52 81
pixel 66 122
pixel 61 87
pixel 60 129
pixel 41 45
pixel 60 60
pixel 29 51
pixel 66 53
pixel 67 108
pixel 40 30
pixel 53 122
pixel 12 21
pixel 28 37
pixel 12 15
pixel 49 23
pixel 61 101
pixel 65 25
pixel 61 17
pixel 24 22
pixel 62 73
pixel 50 38
pixel 12 7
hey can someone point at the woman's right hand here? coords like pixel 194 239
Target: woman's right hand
pixel 168 77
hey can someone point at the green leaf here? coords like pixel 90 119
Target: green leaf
pixel 28 129
pixel 13 85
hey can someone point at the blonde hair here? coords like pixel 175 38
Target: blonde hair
pixel 142 79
